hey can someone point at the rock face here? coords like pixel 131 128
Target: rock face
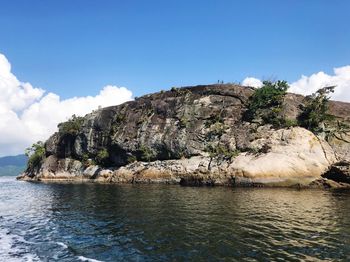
pixel 191 136
pixel 339 172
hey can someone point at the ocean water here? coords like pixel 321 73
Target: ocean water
pixel 94 222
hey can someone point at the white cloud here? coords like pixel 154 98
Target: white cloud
pixel 252 82
pixel 15 94
pixel 307 85
pixel 341 79
pixel 27 114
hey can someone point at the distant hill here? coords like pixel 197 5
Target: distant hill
pixel 12 165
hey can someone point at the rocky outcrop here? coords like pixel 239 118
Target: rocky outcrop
pixel 191 136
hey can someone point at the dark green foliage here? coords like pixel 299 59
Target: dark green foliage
pixel 267 103
pixel 180 91
pixel 214 120
pixel 119 118
pixel 252 150
pixel 131 159
pixel 146 153
pixel 221 151
pixel 217 127
pixel 86 160
pixel 85 157
pixel 183 122
pixel 216 130
pixel 290 122
pixel 314 111
pixel 72 126
pixel 36 154
pixel 102 157
pixel 258 150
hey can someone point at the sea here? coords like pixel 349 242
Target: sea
pixel 108 222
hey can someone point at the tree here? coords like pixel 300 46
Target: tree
pixel 102 157
pixel 315 108
pixel 36 154
pixel 267 103
pixel 72 126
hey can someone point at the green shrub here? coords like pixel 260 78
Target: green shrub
pixel 36 154
pixel 72 126
pixel 146 153
pixel 86 160
pixel 252 150
pixel 267 103
pixel 119 118
pixel 216 131
pixel 314 111
pixel 180 91
pixel 102 157
pixel 264 149
pixel 131 159
pixel 183 122
pixel 290 122
pixel 214 120
pixel 221 151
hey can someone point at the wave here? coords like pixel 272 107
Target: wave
pixel 86 259
pixel 61 244
pixel 9 250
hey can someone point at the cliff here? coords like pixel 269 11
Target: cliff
pixel 191 135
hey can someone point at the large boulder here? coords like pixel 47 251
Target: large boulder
pixel 284 156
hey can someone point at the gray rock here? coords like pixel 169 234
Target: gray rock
pixel 173 136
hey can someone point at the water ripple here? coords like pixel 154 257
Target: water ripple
pixel 90 222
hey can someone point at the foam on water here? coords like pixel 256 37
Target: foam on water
pixel 9 250
pixel 61 244
pixel 86 259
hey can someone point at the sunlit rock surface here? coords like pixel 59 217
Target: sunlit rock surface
pixel 169 137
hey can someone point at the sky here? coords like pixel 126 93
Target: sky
pixel 64 57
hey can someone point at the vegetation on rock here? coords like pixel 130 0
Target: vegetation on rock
pixel 204 125
pixel 146 153
pixel 86 160
pixel 131 159
pixel 266 103
pixel 338 130
pixel 183 122
pixel 36 154
pixel 221 151
pixel 102 157
pixel 72 126
pixel 315 110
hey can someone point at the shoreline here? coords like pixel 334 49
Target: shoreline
pixel 320 183
pixel 194 136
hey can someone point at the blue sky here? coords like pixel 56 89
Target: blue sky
pixel 73 48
